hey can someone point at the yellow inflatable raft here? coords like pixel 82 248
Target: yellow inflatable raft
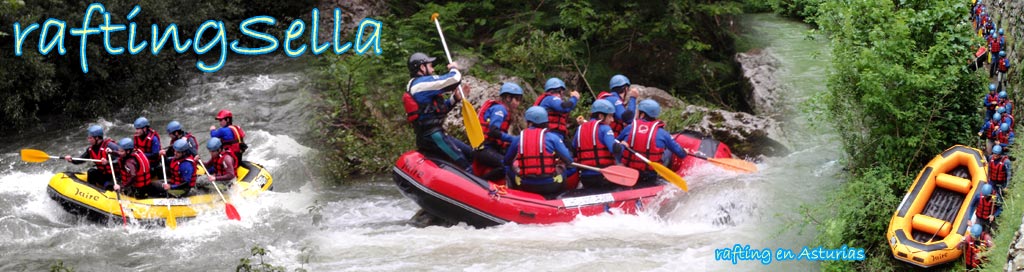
pixel 79 197
pixel 934 215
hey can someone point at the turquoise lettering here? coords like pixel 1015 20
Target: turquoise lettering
pixel 20 35
pixel 247 31
pixel 219 38
pixel 56 41
pixel 294 32
pixel 374 39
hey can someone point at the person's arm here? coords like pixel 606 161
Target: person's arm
pixel 555 144
pixel 155 151
pixel 85 155
pixel 608 139
pixel 424 88
pixel 185 170
pixel 497 116
pixel 665 138
pixel 229 174
pixel 619 108
pixel 630 111
pixel 624 133
pixel 557 104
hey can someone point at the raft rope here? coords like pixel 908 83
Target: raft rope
pixel 497 191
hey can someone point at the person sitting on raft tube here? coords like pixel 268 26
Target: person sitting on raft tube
pixel 540 156
pixel 133 172
pixel 222 164
pixel 618 85
pixel 647 136
pixel 182 170
pixel 231 136
pixel 426 108
pixel 97 150
pixel 495 117
pixel 557 108
pixel 594 144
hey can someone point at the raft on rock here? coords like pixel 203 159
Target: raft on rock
pixel 79 197
pixel 933 217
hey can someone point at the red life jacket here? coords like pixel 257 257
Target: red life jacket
pixel 616 125
pixel 235 145
pixel 217 163
pixel 556 120
pixel 424 117
pixel 971 253
pixel 984 208
pixel 534 160
pixel 591 150
pixel 1004 65
pixel 993 127
pixel 142 173
pixel 993 100
pixel 176 178
pixel 993 42
pixel 100 154
pixel 145 141
pixel 997 170
pixel 485 124
pixel 643 139
pixel 1003 137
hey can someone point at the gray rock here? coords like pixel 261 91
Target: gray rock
pixel 759 68
pixel 746 134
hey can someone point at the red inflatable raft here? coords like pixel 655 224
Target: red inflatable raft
pixel 697 144
pixel 445 191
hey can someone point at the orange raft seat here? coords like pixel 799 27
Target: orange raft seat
pixel 934 215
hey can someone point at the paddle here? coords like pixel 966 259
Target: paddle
pixel 118 194
pixel 171 221
pixel 33 155
pixel 662 171
pixel 228 208
pixel 469 116
pixel 736 165
pixel 617 174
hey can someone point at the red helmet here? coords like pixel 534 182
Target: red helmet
pixel 224 114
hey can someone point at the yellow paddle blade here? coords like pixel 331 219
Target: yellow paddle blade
pixel 734 164
pixel 32 155
pixel 171 222
pixel 473 129
pixel 669 175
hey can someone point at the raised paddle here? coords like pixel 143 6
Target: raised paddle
pixel 736 165
pixel 662 171
pixel 118 194
pixel 171 221
pixel 617 174
pixel 469 116
pixel 33 155
pixel 228 208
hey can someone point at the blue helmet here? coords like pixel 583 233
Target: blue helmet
pixel 618 80
pixel 986 189
pixel 181 145
pixel 602 106
pixel 1001 110
pixel 213 144
pixel 1002 94
pixel 650 107
pixel 126 143
pixel 173 126
pixel 510 88
pixel 553 83
pixel 997 116
pixel 141 122
pixel 1004 127
pixel 997 149
pixel 537 115
pixel 991 87
pixel 1002 53
pixel 1000 31
pixel 95 131
pixel 113 147
pixel 976 230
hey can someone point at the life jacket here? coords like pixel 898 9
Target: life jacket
pixel 1004 65
pixel 235 145
pixel 643 139
pixel 971 253
pixel 556 120
pixel 591 150
pixel 425 117
pixel 997 169
pixel 485 124
pixel 145 141
pixel 1007 118
pixel 176 178
pixel 993 127
pixel 100 154
pixel 534 160
pixel 217 163
pixel 617 125
pixel 142 173
pixel 984 208
pixel 993 42
pixel 993 100
pixel 1002 137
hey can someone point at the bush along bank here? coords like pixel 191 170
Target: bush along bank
pixel 899 93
